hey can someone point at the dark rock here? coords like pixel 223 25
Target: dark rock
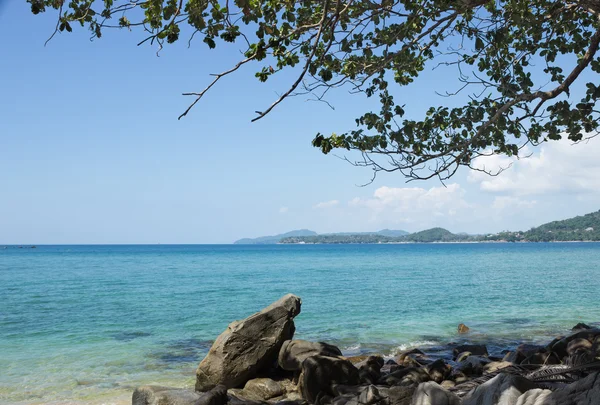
pixel 473 365
pixel 370 371
pixel 541 359
pixel 431 393
pixel 410 376
pixel 216 396
pixel 320 373
pixel 157 395
pixel 579 345
pixel 462 328
pixel 583 392
pixel 400 395
pixel 580 326
pixel 438 370
pixel 406 353
pixel 294 352
pixel 462 357
pixel 390 362
pixel 559 346
pixel 504 389
pixel 526 350
pixel 248 346
pixel 261 389
pixel 478 350
pixel 390 368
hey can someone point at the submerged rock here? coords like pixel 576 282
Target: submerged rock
pixel 248 346
pixel 158 395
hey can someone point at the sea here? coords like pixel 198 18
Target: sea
pixel 87 324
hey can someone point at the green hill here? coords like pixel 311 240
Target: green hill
pixel 580 228
pixel 435 235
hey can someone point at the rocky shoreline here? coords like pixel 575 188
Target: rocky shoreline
pixel 256 361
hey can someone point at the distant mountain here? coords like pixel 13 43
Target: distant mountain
pixel 392 233
pixel 266 240
pixel 340 238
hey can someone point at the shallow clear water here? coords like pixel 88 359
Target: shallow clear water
pixel 89 323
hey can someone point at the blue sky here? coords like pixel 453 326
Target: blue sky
pixel 91 151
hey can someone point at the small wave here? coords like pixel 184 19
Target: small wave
pixel 413 345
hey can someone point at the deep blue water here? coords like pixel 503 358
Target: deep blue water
pixel 88 323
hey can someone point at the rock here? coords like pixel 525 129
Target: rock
pixel 294 352
pixel 400 395
pixel 261 389
pixel 583 392
pixel 431 393
pixel 541 359
pixel 370 371
pixel 438 370
pixel 156 395
pixel 462 328
pixel 473 365
pixel 478 350
pixel 448 384
pixel 526 350
pixel 462 357
pixel 535 396
pixel 559 346
pixel 320 373
pixel 248 346
pixel 410 376
pixel 580 326
pixel 504 389
pixel 406 353
pixel 495 366
pixel 579 345
pixel 512 357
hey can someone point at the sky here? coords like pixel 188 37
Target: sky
pixel 91 151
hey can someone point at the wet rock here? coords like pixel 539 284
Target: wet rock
pixel 580 326
pixel 462 328
pixel 158 395
pixel 431 393
pixel 248 346
pixel 438 370
pixel 294 352
pixel 559 346
pixel 320 373
pixel 504 389
pixel 478 350
pixel 524 351
pixel 261 389
pixel 407 353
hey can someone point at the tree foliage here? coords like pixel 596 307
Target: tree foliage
pixel 518 62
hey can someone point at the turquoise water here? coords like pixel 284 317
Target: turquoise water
pixel 86 324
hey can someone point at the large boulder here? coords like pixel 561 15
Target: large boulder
pixel 583 392
pixel 248 346
pixel 294 352
pixel 504 389
pixel 158 395
pixel 321 373
pixel 431 393
pixel 477 350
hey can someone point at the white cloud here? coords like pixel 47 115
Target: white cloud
pixel 283 210
pixel 413 204
pixel 506 202
pixel 558 167
pixel 326 204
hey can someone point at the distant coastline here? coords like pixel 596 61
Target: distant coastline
pixel 584 228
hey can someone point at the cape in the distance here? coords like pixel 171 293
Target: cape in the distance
pixel 581 228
